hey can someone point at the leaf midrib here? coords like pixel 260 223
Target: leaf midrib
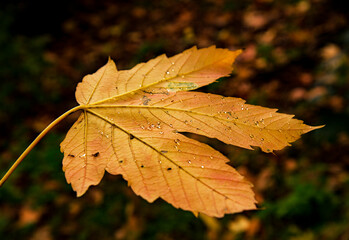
pixel 232 120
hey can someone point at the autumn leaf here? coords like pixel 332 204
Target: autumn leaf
pixel 131 124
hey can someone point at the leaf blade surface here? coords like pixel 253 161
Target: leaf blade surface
pixel 131 124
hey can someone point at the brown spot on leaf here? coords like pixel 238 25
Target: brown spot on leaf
pixel 146 100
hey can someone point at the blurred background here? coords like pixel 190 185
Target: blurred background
pixel 295 59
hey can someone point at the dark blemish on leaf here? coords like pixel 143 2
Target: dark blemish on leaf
pixel 95 154
pixel 142 166
pixel 169 169
pixel 160 91
pixel 164 151
pixel 146 100
pixel 179 167
pixel 71 155
pixel 131 137
pixel 121 161
pixel 116 88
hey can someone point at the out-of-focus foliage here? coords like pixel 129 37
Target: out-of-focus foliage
pixel 295 59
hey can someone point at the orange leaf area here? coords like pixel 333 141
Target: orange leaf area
pixel 132 121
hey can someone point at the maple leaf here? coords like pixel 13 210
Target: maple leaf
pixel 131 124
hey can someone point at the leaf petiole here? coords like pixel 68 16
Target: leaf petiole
pixel 37 139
